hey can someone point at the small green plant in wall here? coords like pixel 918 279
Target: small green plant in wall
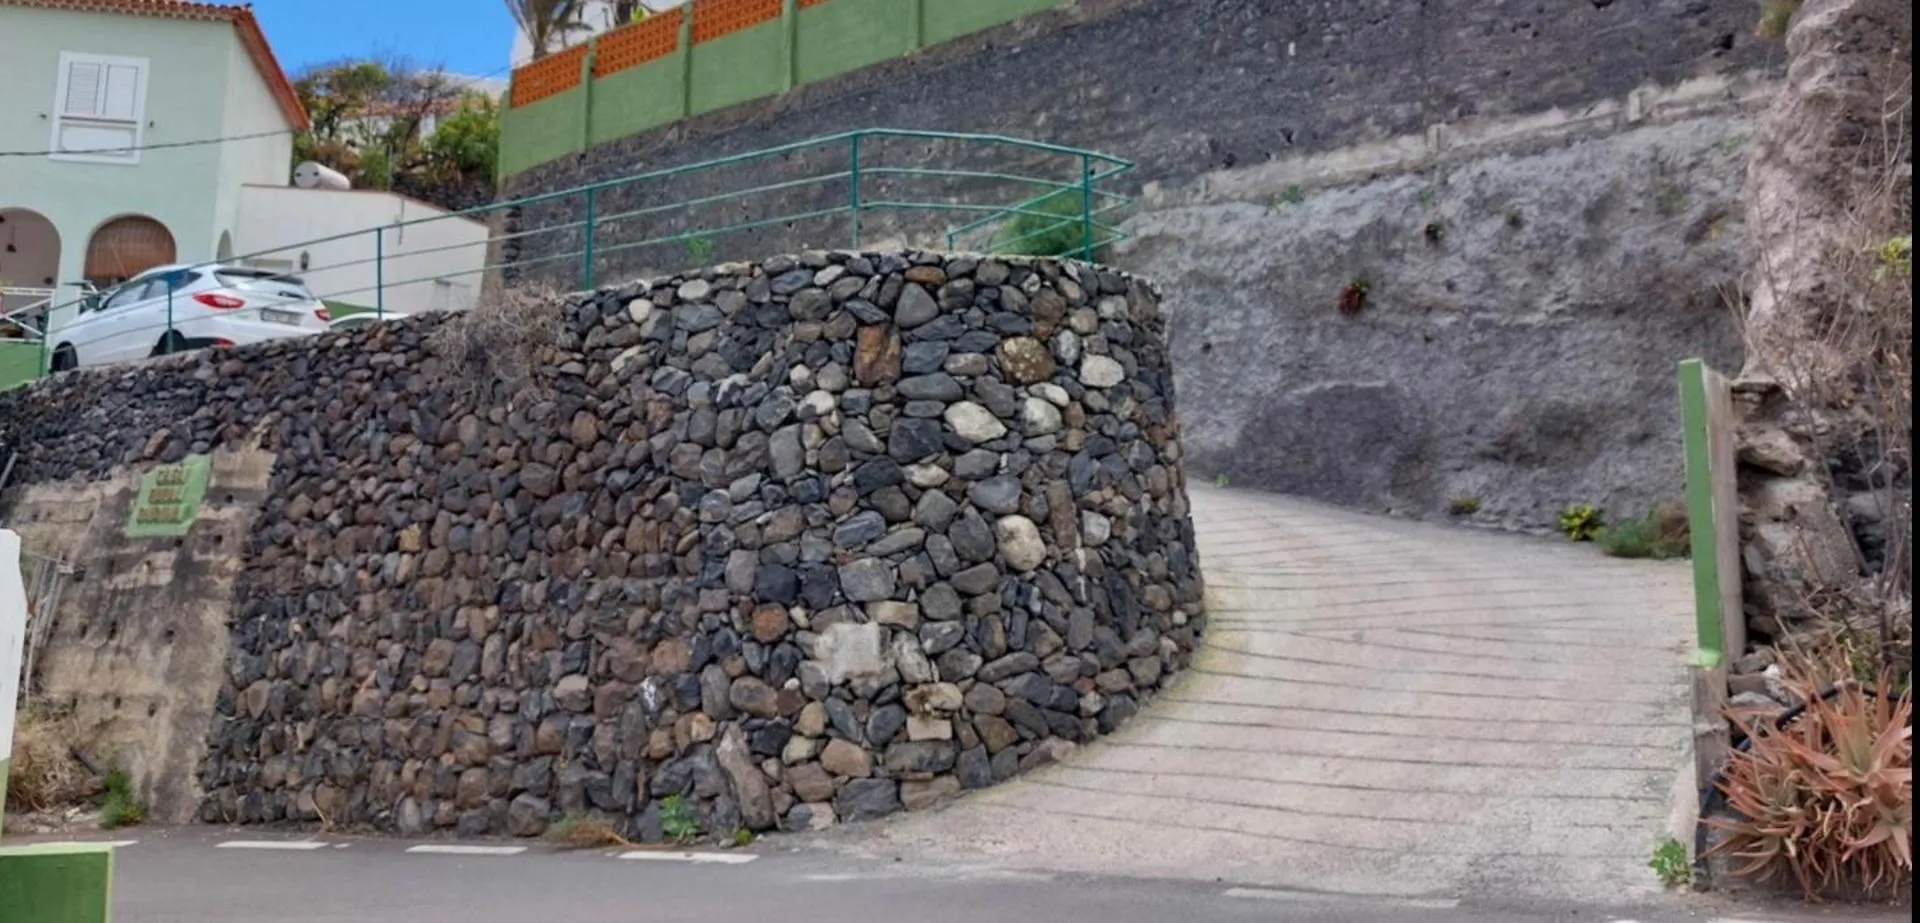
pixel 1670 863
pixel 120 808
pixel 699 250
pixel 677 819
pixel 1464 506
pixel 1581 522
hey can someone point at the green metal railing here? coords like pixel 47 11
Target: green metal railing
pixel 976 192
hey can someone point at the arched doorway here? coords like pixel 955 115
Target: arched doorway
pixel 29 259
pixel 125 247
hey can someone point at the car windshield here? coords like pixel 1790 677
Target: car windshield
pixel 263 282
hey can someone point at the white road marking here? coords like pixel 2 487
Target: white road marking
pixel 116 844
pixel 1267 894
pixel 458 850
pixel 288 845
pixel 716 858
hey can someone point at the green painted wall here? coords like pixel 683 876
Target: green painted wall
pixel 847 35
pixel 946 20
pixel 766 60
pixel 56 883
pixel 19 363
pixel 735 68
pixel 636 99
pixel 547 130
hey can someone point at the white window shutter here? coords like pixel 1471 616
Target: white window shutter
pixel 83 89
pixel 120 98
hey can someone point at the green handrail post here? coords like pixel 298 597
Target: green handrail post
pixel 379 273
pixel 853 184
pixel 1086 207
pixel 586 255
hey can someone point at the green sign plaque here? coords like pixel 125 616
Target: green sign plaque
pixel 170 498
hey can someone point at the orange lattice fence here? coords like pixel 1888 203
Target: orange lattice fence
pixel 806 4
pixel 715 18
pixel 549 76
pixel 632 45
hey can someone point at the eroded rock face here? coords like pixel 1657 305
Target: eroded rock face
pixel 756 540
pixel 1819 490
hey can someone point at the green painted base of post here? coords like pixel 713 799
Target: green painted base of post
pixel 56 883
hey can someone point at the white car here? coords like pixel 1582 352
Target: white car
pixel 169 309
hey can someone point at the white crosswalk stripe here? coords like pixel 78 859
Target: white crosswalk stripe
pixel 715 858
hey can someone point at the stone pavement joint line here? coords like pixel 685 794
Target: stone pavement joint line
pixel 1385 709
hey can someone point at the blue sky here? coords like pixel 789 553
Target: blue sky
pixel 471 37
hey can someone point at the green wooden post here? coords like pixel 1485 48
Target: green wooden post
pixel 919 35
pixel 1713 513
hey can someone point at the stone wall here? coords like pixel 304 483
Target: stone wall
pixel 1528 367
pixel 814 539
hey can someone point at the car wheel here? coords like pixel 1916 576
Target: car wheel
pixel 64 359
pixel 170 343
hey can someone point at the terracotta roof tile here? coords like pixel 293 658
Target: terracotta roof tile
pixel 248 28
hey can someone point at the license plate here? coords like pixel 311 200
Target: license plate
pixel 279 317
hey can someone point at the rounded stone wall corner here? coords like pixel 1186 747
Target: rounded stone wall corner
pixel 780 545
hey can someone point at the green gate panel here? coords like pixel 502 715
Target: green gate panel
pixel 742 66
pixel 846 35
pixel 947 20
pixel 56 883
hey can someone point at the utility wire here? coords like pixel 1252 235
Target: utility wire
pixel 155 147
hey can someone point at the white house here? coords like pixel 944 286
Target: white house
pixel 129 128
pixel 135 133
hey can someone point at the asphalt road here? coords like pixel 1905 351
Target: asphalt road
pixel 219 876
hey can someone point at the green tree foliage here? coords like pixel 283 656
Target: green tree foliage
pixel 389 125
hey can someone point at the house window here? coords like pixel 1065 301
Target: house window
pixel 99 109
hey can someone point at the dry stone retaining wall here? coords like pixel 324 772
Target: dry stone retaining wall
pixel 819 538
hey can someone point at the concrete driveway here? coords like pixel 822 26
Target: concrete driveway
pixel 1385 708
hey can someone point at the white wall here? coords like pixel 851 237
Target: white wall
pixel 251 108
pixel 13 639
pixel 425 267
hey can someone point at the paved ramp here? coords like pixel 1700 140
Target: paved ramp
pixel 1384 708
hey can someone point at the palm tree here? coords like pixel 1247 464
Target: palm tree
pixel 545 20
